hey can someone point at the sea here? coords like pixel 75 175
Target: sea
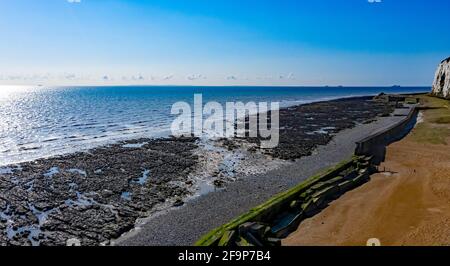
pixel 39 122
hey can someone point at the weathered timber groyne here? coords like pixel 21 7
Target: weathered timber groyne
pixel 268 223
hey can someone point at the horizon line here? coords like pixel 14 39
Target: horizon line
pixel 190 85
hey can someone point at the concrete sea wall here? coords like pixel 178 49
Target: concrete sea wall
pixel 267 224
pixel 375 144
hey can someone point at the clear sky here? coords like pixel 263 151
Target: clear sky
pixel 223 42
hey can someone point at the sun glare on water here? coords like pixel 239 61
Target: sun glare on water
pixel 7 90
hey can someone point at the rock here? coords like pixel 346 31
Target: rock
pixel 90 211
pixel 441 84
pixel 219 183
pixel 161 199
pixel 304 127
pixel 107 193
pixel 42 206
pixel 274 241
pixel 21 210
pixel 178 202
pixel 25 234
pixel 73 242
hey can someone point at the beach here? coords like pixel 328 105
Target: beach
pixel 406 203
pixel 184 226
pixel 220 131
pixel 170 191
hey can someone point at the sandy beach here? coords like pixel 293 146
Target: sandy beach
pixel 407 203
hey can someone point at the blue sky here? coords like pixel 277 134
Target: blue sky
pixel 215 42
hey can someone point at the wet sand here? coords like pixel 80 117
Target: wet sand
pixel 405 204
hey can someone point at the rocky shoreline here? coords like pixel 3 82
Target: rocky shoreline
pixel 90 198
pixel 304 127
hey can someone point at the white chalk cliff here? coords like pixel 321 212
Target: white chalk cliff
pixel 441 84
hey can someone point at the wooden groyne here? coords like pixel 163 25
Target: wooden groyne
pixel 267 224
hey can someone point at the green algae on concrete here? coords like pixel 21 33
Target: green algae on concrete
pixel 272 205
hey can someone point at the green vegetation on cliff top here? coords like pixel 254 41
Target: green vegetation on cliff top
pixel 435 127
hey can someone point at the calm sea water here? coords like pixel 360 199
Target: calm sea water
pixel 42 122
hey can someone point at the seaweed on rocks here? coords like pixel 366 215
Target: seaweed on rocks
pixel 304 127
pixel 92 196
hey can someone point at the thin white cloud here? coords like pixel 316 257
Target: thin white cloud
pixel 168 77
pixel 291 76
pixel 195 77
pixel 138 77
pixel 70 76
pixel 374 1
pixel 73 1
